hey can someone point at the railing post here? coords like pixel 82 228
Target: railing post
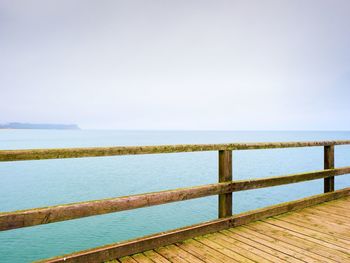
pixel 329 164
pixel 225 175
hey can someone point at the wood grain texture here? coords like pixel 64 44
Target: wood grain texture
pixel 329 164
pixel 51 214
pixel 225 175
pixel 39 154
pixel 126 248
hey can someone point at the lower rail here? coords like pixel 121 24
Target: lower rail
pixel 117 250
pixel 45 215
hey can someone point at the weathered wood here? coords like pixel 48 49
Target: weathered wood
pixel 51 214
pixel 280 255
pixel 288 207
pixel 241 185
pixel 156 257
pixel 225 175
pixel 121 249
pixel 202 252
pixel 329 164
pixel 39 154
pixel 234 251
pixel 128 260
pixel 295 253
pixel 210 254
pixel 288 237
pixel 249 252
pixel 176 254
pixel 342 244
pixel 141 258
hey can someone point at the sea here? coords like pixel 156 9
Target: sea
pixel 32 184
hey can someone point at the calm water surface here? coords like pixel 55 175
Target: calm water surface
pixel 29 184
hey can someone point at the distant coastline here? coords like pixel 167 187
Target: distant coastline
pixel 44 126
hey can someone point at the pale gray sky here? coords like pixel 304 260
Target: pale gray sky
pixel 180 64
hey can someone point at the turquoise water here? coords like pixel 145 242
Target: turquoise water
pixel 29 184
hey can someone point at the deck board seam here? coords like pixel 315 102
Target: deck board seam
pixel 324 231
pixel 324 252
pixel 249 259
pixel 188 253
pixel 228 236
pixel 299 252
pixel 264 245
pixel 310 237
pixel 310 240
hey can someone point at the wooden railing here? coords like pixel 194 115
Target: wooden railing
pixel 224 188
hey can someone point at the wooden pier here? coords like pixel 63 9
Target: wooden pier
pixel 320 233
pixel 313 229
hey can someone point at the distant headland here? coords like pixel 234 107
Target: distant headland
pixel 20 125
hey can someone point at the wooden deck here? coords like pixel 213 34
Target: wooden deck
pixel 318 233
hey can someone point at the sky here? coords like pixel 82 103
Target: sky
pixel 176 65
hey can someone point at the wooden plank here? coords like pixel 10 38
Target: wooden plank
pixel 333 213
pixel 51 214
pixel 241 185
pixel 121 249
pixel 198 252
pixel 317 221
pixel 230 251
pixel 342 211
pixel 280 245
pixel 288 237
pixel 171 255
pixel 253 241
pixel 40 154
pixel 173 250
pixel 225 175
pixel 329 164
pixel 328 217
pixel 46 215
pixel 184 254
pixel 304 233
pixel 247 217
pixel 342 205
pixel 141 258
pixel 318 225
pixel 155 256
pixel 245 250
pixel 303 229
pixel 176 254
pixel 127 259
pixel 194 247
pixel 309 242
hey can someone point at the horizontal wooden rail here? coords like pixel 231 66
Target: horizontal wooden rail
pixel 45 215
pixel 38 154
pixel 116 250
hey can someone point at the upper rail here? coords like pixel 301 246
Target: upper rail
pixel 41 154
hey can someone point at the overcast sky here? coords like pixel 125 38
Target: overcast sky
pixel 180 64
